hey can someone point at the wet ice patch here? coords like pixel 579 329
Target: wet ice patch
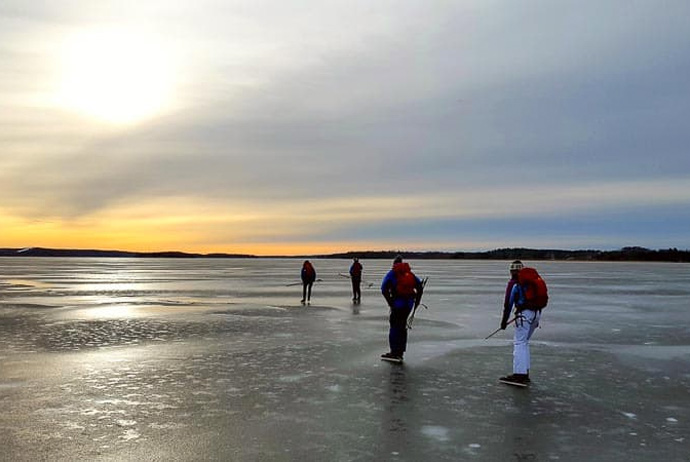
pixel 436 432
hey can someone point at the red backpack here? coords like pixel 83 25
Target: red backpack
pixel 534 288
pixel 405 281
pixel 309 273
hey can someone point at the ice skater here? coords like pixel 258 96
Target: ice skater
pixel 403 292
pixel 527 315
pixel 308 276
pixel 356 278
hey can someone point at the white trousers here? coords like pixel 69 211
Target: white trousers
pixel 525 324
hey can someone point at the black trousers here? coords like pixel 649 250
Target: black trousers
pixel 306 290
pixel 356 291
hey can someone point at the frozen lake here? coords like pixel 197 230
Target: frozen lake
pixel 157 359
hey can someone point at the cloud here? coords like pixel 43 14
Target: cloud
pixel 344 114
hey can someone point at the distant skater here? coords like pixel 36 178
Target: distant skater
pixel 308 276
pixel 403 292
pixel 356 278
pixel 528 299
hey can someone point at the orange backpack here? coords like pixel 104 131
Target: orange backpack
pixel 534 288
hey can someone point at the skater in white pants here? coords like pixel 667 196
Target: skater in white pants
pixel 526 320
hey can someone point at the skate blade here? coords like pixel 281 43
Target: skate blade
pixel 515 384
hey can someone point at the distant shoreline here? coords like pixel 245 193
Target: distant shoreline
pixel 624 254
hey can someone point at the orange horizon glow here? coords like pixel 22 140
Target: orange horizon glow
pixel 54 236
pixel 278 249
pixel 188 225
pixel 198 225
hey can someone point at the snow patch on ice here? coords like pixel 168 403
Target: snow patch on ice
pixel 130 435
pixel 10 384
pixel 629 415
pixel 126 423
pixel 436 432
pixel 74 426
pixel 166 426
pixel 293 378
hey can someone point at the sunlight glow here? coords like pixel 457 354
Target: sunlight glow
pixel 120 76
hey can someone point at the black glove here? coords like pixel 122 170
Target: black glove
pixel 504 324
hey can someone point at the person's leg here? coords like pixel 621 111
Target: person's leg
pixel 524 328
pixel 309 291
pixel 397 336
pixel 304 291
pixel 534 317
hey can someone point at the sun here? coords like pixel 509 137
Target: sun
pixel 116 75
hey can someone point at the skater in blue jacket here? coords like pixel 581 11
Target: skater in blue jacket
pixel 403 292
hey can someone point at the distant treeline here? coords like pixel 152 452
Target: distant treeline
pixel 42 252
pixel 624 254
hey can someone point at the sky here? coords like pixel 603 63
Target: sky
pixel 315 126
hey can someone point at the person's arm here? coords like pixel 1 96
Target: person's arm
pixel 506 299
pixel 517 296
pixel 419 289
pixel 386 291
pixel 507 304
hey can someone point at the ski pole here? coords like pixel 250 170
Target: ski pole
pixel 299 283
pixel 368 284
pixel 409 321
pixel 499 329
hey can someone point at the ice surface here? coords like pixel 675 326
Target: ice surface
pixel 144 359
